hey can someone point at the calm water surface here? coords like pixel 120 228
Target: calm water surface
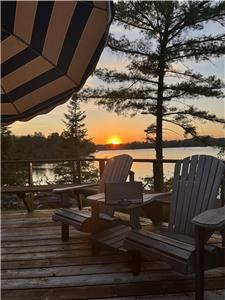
pixel 145 169
pixel 44 173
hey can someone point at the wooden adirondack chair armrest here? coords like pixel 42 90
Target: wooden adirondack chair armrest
pixel 73 188
pixel 211 219
pixel 162 197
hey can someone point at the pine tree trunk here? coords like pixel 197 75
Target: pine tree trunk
pixel 158 172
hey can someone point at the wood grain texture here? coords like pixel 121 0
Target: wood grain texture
pixel 195 187
pixel 36 264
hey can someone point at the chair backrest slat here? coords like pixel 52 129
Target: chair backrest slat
pixel 175 190
pixel 188 192
pixel 116 170
pixel 195 187
pixel 195 191
pixel 182 189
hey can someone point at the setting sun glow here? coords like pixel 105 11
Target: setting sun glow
pixel 114 140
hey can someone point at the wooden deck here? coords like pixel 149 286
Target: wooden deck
pixel 36 264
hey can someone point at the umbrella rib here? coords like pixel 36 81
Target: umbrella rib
pixel 97 7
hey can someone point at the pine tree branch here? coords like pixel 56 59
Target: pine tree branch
pixel 198 114
pixel 203 55
pixel 144 16
pixel 196 77
pixel 191 130
pixel 115 76
pixel 127 51
pixel 118 19
pixel 196 41
pixel 185 21
pixel 177 95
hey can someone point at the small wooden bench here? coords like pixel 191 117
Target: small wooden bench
pixel 82 221
pixel 27 192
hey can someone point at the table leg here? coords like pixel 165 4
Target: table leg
pixel 199 244
pixel 135 218
pixel 95 210
pixel 28 200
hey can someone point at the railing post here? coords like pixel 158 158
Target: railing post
pixel 30 173
pixel 131 176
pixel 222 193
pixel 76 171
pixel 78 162
pixel 101 167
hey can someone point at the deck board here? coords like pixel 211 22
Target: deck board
pixel 36 264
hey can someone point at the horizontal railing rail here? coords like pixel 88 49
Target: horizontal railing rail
pixel 76 166
pixel 55 160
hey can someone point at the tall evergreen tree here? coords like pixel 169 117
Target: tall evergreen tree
pixel 171 33
pixel 75 144
pixel 11 174
pixel 6 143
pixel 75 134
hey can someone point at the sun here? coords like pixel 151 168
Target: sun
pixel 114 140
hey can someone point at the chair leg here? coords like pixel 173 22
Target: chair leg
pixel 65 232
pixel 199 279
pixel 136 262
pixel 79 200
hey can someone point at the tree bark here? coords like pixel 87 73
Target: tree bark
pixel 159 124
pixel 158 147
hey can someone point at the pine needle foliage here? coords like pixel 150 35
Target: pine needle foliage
pixel 156 78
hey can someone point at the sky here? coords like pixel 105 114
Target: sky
pixel 102 125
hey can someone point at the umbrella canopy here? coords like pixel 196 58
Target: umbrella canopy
pixel 49 48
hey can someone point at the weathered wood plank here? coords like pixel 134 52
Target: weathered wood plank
pixel 41 236
pixel 210 295
pixel 94 282
pixel 54 241
pixel 110 267
pixel 23 222
pixel 46 248
pixel 58 270
pixel 28 231
pixel 112 291
pixel 93 279
pixel 43 255
pixel 21 214
pixel 64 261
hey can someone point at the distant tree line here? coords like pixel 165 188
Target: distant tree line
pixel 55 145
pixel 37 146
pixel 193 142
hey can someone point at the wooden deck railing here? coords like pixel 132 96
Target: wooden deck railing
pixel 76 167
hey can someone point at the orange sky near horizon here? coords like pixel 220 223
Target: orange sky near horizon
pixel 102 125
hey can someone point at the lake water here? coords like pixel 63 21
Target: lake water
pixel 44 173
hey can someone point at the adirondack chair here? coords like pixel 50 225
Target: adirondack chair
pixel 116 170
pixel 193 219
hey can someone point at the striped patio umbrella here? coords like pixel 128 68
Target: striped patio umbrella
pixel 49 49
